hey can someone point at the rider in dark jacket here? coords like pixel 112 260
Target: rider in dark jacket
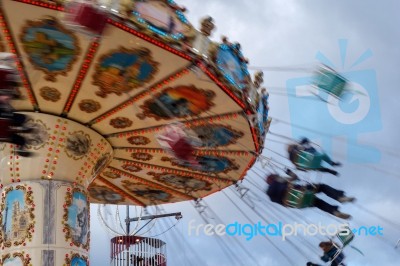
pixel 279 187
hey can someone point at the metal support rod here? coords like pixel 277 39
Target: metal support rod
pixel 142 227
pixel 178 215
pixel 135 253
pixel 128 229
pixel 127 222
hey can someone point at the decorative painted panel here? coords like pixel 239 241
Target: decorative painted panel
pixel 17 215
pixel 143 191
pixel 162 18
pixel 122 70
pixel 211 164
pixel 178 102
pixel 77 144
pixel 186 183
pixel 105 194
pixel 50 47
pixel 214 135
pixel 75 259
pixel 76 218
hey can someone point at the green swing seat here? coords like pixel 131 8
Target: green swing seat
pixel 299 198
pixel 345 236
pixel 330 82
pixel 308 160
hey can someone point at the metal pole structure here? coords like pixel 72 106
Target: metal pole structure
pixel 178 216
pixel 128 225
pixel 141 250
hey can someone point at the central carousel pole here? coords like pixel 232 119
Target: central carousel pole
pixel 44 202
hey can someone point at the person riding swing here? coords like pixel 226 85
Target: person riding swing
pixel 305 157
pixel 331 254
pixel 180 142
pixel 12 124
pixel 285 192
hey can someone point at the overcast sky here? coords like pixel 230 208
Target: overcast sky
pixel 361 39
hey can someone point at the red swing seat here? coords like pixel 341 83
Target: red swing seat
pixel 5 131
pixel 182 149
pixel 175 140
pixel 87 17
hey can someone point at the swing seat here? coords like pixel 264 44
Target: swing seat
pixel 182 149
pixel 5 74
pixel 86 17
pixel 334 255
pixel 5 132
pixel 308 160
pixel 345 236
pixel 330 82
pixel 299 198
pixel 8 78
pixel 176 141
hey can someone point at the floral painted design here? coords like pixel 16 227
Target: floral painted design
pixel 142 156
pixel 138 140
pixel 39 135
pixel 50 94
pixel 112 175
pixel 101 164
pixel 121 122
pixel 131 168
pixel 89 106
pixel 77 144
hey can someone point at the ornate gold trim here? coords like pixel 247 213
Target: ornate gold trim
pixel 25 259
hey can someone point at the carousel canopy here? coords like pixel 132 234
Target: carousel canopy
pixel 147 69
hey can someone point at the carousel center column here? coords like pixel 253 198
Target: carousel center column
pixel 44 202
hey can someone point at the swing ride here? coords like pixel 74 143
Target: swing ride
pixel 101 89
pixel 129 104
